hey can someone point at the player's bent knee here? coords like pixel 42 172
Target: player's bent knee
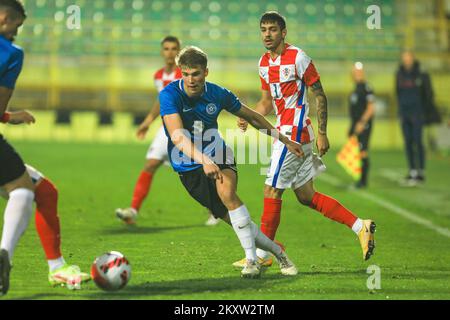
pixel 305 198
pixel 152 165
pixel 305 201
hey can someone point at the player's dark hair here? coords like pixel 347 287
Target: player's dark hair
pixel 273 16
pixel 14 7
pixel 192 57
pixel 171 39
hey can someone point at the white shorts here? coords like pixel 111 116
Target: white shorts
pixel 288 171
pixel 158 148
pixel 35 175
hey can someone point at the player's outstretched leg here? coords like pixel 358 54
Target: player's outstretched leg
pixel 240 220
pixel 270 221
pixel 247 231
pixel 242 225
pixel 334 210
pixel 48 228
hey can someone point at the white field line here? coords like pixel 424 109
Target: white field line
pixel 411 216
pixel 390 174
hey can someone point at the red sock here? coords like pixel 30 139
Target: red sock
pixel 332 209
pixel 270 219
pixel 47 220
pixel 141 189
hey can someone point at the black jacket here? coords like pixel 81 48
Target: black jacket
pixel 415 94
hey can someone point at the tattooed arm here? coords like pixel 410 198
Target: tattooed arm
pixel 322 117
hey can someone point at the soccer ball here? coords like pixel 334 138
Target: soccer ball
pixel 111 271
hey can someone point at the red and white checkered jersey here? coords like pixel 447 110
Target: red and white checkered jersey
pixel 287 78
pixel 162 78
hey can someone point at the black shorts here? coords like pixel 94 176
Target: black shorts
pixel 11 164
pixel 204 190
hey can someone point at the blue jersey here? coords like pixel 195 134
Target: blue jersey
pixel 11 60
pixel 199 116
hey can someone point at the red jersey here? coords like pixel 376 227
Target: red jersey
pixel 287 78
pixel 162 78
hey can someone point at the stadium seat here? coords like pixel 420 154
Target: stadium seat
pixel 134 23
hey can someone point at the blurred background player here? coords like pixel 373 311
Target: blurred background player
pixel 13 176
pixel 286 72
pixel 413 90
pixel 204 162
pixel 157 152
pixel 362 110
pixel 49 231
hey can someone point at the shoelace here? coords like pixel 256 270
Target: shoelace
pixel 284 261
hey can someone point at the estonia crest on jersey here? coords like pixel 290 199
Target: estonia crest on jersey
pixel 211 108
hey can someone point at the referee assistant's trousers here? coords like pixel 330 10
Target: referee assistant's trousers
pixel 412 126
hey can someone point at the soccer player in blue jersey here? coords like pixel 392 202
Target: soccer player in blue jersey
pixel 206 166
pixel 14 179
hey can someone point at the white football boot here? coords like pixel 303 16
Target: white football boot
pixel 127 215
pixel 212 221
pixel 251 270
pixel 287 267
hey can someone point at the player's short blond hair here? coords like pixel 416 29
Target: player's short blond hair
pixel 192 56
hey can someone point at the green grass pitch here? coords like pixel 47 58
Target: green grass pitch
pixel 173 256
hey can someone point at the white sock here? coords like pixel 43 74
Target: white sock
pixel 242 225
pixel 357 226
pixel 264 243
pixel 16 218
pixel 55 264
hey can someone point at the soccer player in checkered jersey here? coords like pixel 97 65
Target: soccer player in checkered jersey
pixel 49 231
pixel 157 152
pixel 286 72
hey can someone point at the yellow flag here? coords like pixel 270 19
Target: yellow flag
pixel 350 158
